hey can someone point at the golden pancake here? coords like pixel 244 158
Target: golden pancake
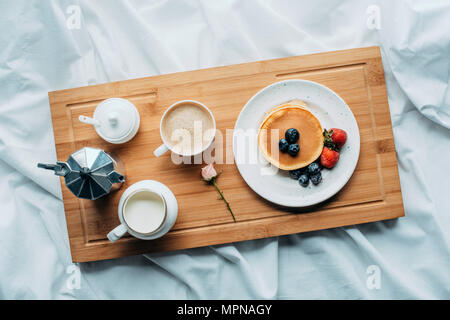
pixel 293 114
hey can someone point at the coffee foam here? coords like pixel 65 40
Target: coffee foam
pixel 188 128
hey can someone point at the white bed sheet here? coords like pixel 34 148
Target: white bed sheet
pixel 120 40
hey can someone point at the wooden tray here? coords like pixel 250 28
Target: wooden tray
pixel 373 193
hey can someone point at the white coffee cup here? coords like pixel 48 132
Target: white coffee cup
pixel 166 146
pixel 147 210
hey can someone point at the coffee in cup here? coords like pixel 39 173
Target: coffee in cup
pixel 187 128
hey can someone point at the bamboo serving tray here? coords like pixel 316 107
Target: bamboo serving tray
pixel 373 193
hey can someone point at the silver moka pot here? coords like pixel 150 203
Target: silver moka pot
pixel 89 173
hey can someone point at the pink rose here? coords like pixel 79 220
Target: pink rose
pixel 209 175
pixel 208 172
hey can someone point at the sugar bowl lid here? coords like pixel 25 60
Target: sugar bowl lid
pixel 115 120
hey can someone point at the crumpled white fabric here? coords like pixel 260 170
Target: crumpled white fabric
pixel 129 39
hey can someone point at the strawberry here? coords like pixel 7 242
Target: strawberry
pixel 329 157
pixel 338 136
pixel 334 139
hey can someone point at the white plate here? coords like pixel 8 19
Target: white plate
pixel 274 184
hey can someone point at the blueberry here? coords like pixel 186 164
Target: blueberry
pixel 303 180
pixel 293 149
pixel 292 135
pixel 283 145
pixel 313 168
pixel 318 162
pixel 295 174
pixel 316 178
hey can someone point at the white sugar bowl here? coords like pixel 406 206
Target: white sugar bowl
pixel 115 120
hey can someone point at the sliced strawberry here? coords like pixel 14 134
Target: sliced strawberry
pixel 329 157
pixel 338 136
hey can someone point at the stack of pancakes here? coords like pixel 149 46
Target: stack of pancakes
pixel 293 114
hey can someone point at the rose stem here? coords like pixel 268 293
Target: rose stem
pixel 223 198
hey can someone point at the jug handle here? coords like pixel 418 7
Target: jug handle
pixel 117 233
